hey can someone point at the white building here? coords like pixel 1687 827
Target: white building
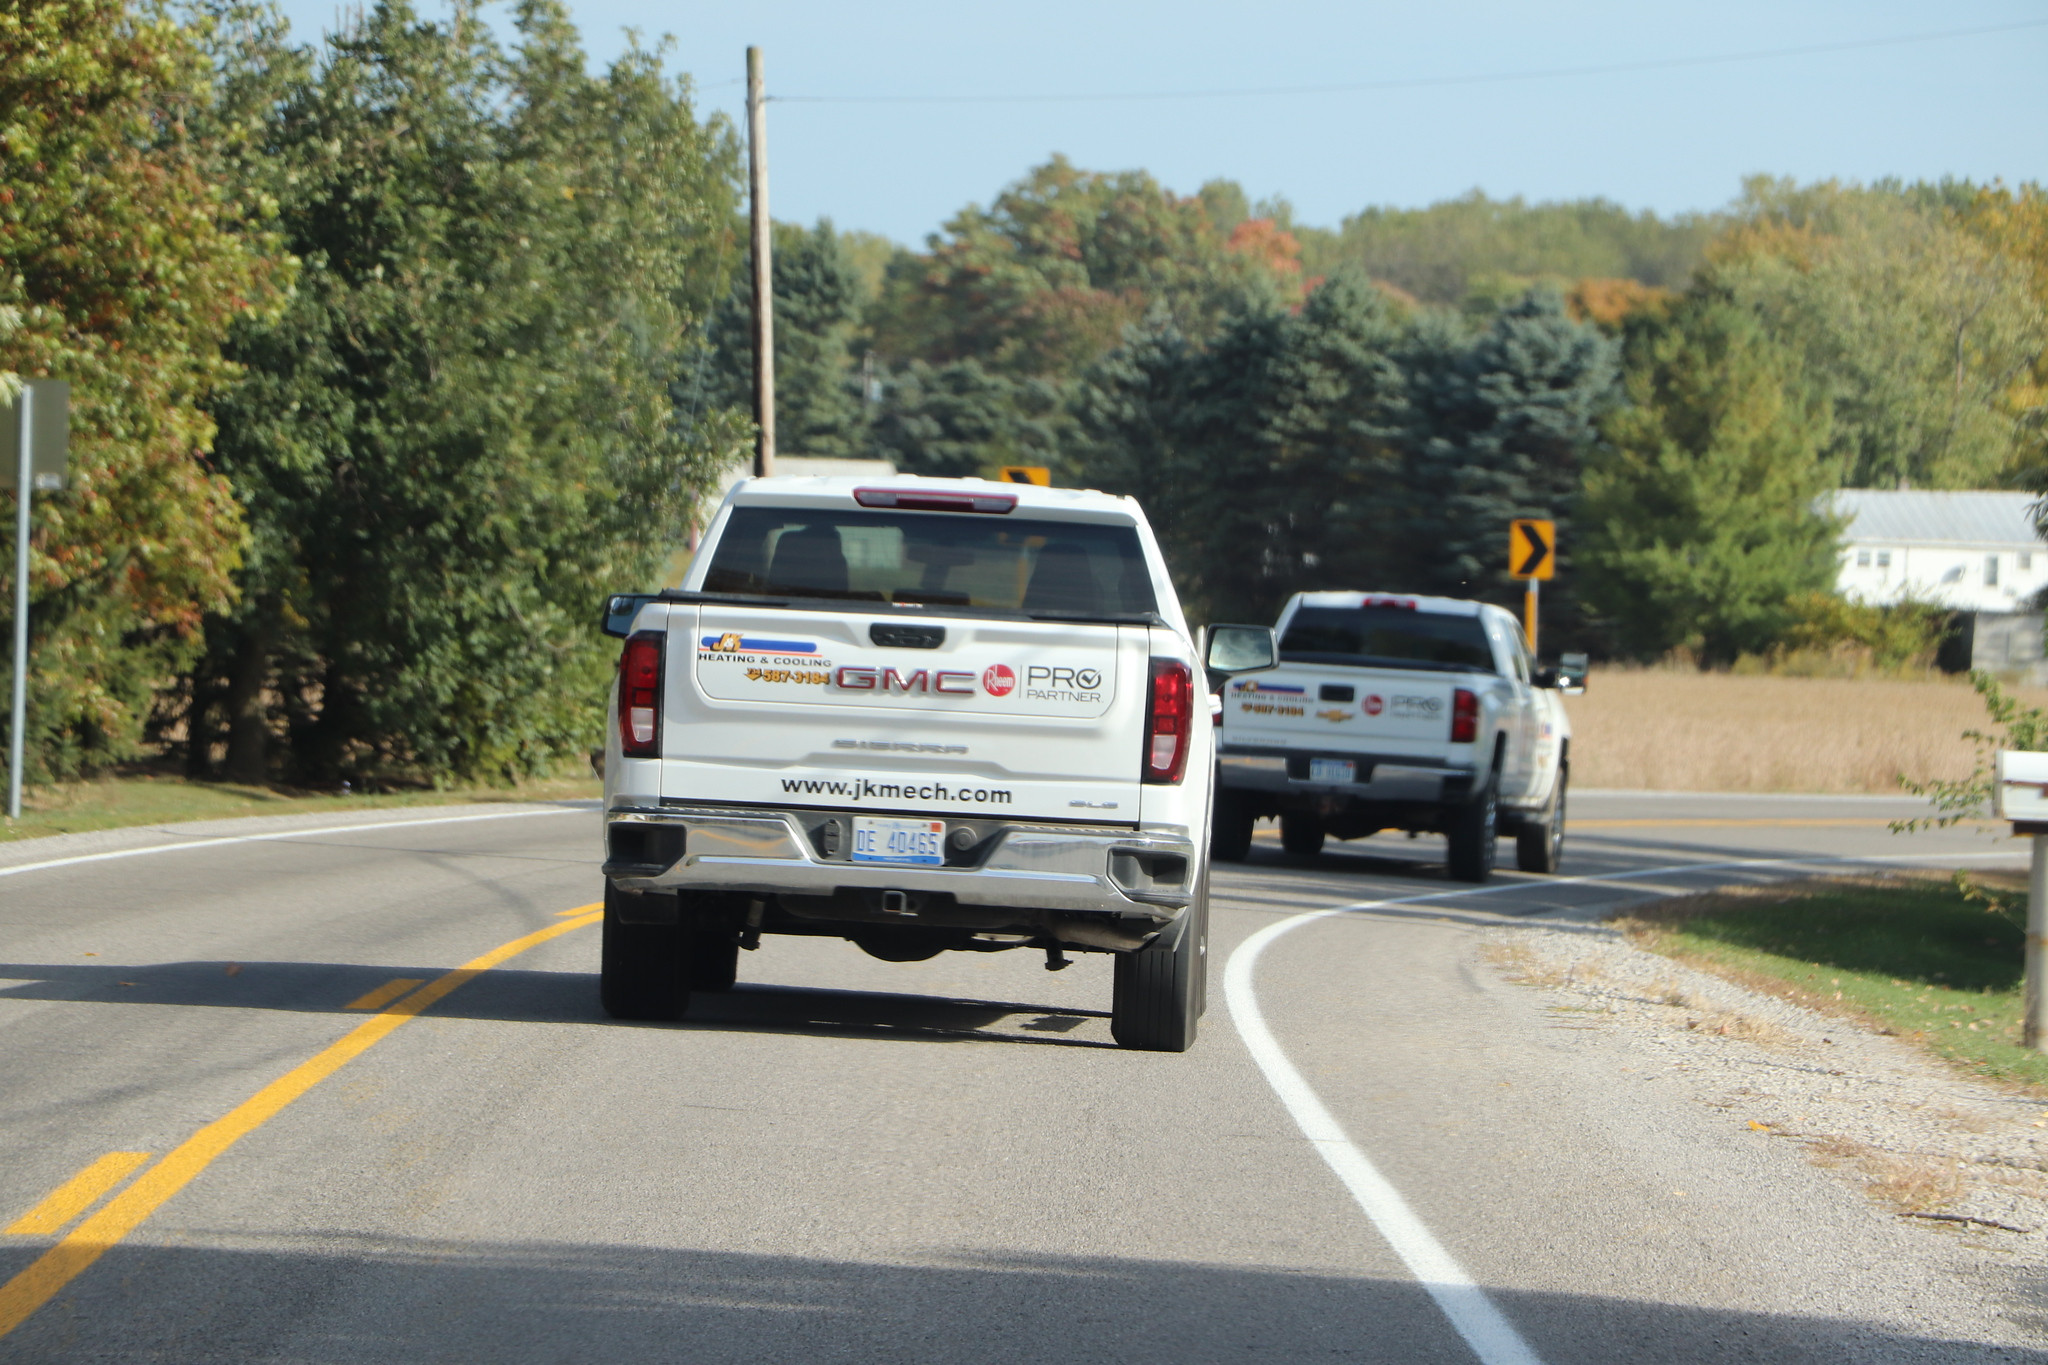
pixel 1974 552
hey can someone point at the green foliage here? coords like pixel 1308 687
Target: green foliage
pixel 961 420
pixel 1273 438
pixel 1345 444
pixel 1497 425
pixel 1913 329
pixel 2014 726
pixel 1046 279
pixel 1894 637
pixel 461 433
pixel 1698 511
pixel 820 295
pixel 125 257
pixel 1445 253
pixel 1918 959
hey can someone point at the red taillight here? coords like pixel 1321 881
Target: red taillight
pixel 1464 717
pixel 936 500
pixel 640 695
pixel 1169 721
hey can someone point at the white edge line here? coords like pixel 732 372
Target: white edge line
pixel 217 841
pixel 1471 1312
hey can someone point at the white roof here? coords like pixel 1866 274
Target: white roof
pixel 1924 517
pixel 839 490
pixel 1448 606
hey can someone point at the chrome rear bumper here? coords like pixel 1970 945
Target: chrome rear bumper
pixel 1382 780
pixel 1143 875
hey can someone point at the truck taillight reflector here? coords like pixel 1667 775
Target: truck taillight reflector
pixel 640 695
pixel 1169 721
pixel 1464 716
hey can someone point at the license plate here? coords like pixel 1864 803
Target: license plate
pixel 1332 770
pixel 898 841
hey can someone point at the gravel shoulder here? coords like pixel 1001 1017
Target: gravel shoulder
pixel 1927 1145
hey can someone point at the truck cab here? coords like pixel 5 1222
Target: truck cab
pixel 1395 711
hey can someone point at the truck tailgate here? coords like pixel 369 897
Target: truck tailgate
pixel 1363 710
pixel 794 707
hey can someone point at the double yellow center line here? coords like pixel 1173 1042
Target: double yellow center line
pixel 21 1296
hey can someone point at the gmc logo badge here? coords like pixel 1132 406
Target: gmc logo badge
pixel 947 682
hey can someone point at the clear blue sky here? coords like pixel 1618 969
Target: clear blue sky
pixel 1664 139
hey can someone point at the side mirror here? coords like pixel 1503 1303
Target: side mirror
pixel 620 609
pixel 1569 674
pixel 1240 649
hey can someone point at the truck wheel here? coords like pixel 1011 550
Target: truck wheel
pixel 642 971
pixel 1301 834
pixel 1230 827
pixel 714 961
pixel 1159 990
pixel 1474 835
pixel 1539 844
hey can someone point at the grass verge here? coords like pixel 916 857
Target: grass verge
pixel 147 799
pixel 1901 955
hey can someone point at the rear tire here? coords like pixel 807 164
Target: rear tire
pixel 1301 834
pixel 642 971
pixel 714 961
pixel 1160 990
pixel 1539 844
pixel 1230 827
pixel 1475 835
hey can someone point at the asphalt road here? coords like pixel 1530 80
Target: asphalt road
pixel 1376 1152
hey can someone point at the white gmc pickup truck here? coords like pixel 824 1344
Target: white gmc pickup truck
pixel 922 715
pixel 1423 714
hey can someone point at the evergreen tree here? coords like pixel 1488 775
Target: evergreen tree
pixel 819 300
pixel 1699 511
pixel 961 420
pixel 1263 458
pixel 1496 428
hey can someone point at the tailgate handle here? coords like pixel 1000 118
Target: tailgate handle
pixel 906 637
pixel 1337 692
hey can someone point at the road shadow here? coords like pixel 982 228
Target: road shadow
pixel 511 995
pixel 391 1298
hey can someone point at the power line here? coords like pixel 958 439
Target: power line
pixel 1419 82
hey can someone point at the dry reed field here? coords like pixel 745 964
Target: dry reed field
pixel 1668 730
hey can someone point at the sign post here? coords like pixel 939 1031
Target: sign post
pixel 37 431
pixel 2022 788
pixel 1532 557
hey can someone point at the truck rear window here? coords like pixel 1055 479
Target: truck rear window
pixel 1386 637
pixel 1037 568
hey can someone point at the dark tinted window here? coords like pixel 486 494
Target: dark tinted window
pixel 1386 637
pixel 1049 568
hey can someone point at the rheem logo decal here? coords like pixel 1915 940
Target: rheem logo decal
pixel 999 680
pixel 1373 704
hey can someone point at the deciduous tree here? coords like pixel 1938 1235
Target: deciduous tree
pixel 125 257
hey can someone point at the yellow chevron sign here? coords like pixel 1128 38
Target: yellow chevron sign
pixel 1532 549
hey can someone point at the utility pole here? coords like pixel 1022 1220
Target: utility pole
pixel 762 237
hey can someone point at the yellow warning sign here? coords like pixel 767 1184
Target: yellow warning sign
pixel 1532 549
pixel 1028 473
